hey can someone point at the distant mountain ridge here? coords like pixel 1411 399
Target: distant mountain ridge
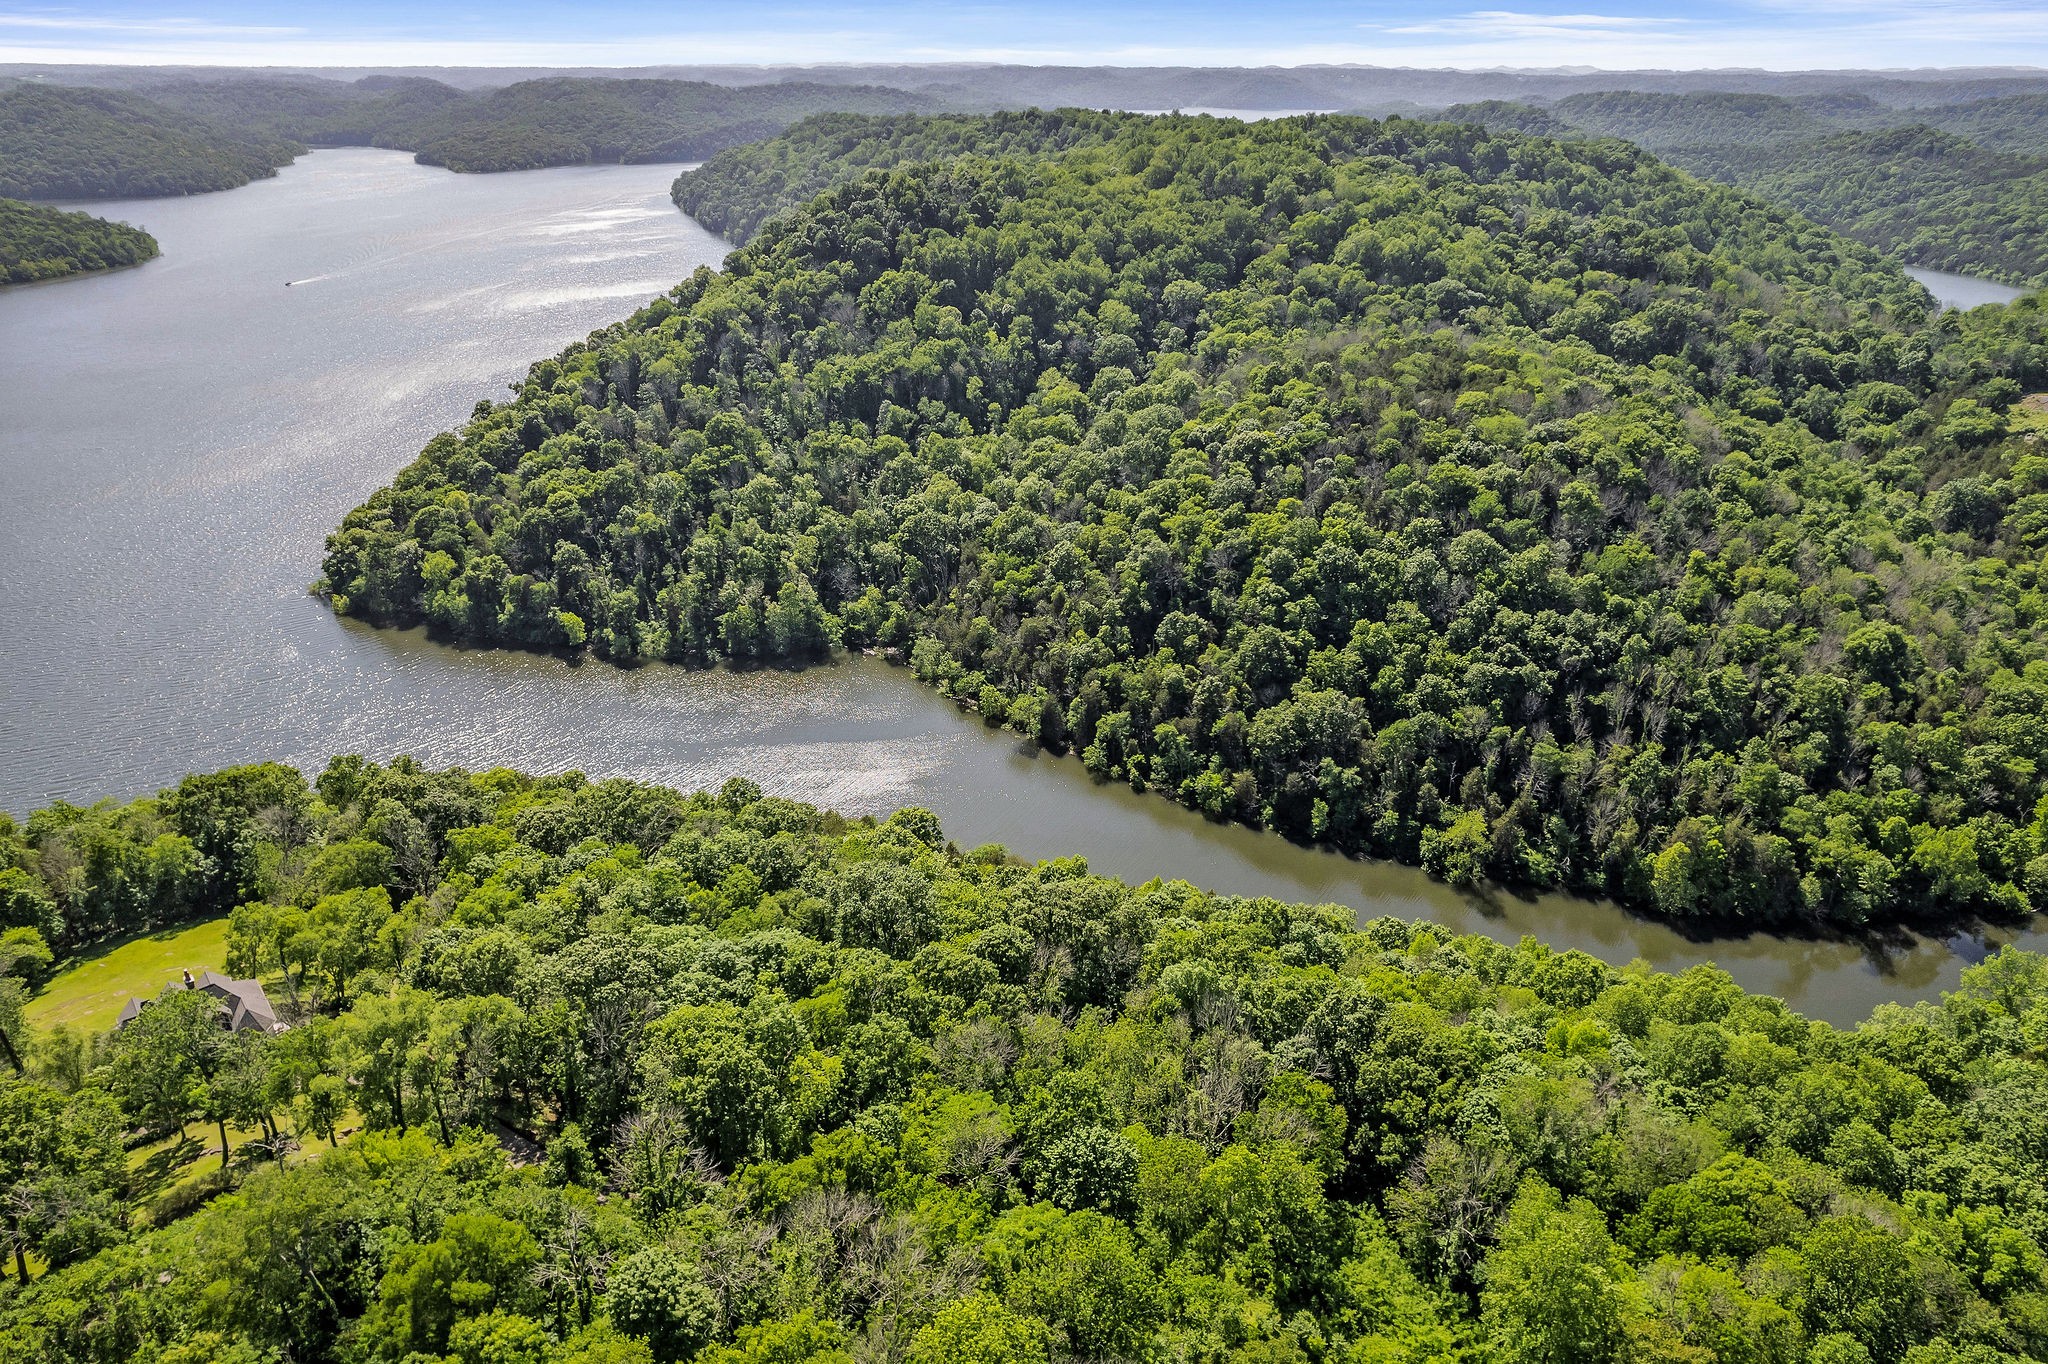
pixel 989 85
pixel 176 136
pixel 75 143
pixel 1954 186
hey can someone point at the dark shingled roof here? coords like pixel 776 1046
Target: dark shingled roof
pixel 244 1005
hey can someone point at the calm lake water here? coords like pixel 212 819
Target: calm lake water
pixel 1963 291
pixel 177 439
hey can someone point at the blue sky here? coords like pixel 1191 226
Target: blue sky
pixel 1759 33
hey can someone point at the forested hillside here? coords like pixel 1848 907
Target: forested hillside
pixel 38 243
pixel 68 142
pixel 543 123
pixel 2016 124
pixel 738 190
pixel 309 110
pixel 1524 509
pixel 1960 187
pixel 182 136
pixel 1932 198
pixel 1663 122
pixel 597 1072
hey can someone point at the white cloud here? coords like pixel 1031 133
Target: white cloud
pixel 1777 34
pixel 57 21
pixel 1502 23
pixel 1737 33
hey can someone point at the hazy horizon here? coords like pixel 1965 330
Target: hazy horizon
pixel 1753 35
pixel 937 65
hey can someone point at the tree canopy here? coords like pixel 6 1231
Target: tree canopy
pixel 183 136
pixel 1525 509
pixel 1954 185
pixel 740 189
pixel 38 243
pixel 70 142
pixel 818 1089
pixel 569 120
pixel 564 120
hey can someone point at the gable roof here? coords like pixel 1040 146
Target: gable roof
pixel 244 1005
pixel 247 1005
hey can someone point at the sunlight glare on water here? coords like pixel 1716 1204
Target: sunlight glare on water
pixel 178 439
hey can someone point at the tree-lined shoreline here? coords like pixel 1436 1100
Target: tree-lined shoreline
pixel 38 243
pixel 597 1071
pixel 1520 508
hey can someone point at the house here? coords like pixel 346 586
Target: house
pixel 243 1004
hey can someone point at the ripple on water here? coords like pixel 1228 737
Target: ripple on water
pixel 194 429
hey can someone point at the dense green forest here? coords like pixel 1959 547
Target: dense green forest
pixel 310 110
pixel 544 123
pixel 1959 187
pixel 558 121
pixel 1526 510
pixel 1931 198
pixel 2017 124
pixel 738 190
pixel 594 1072
pixel 182 136
pixel 38 243
pixel 1664 122
pixel 68 142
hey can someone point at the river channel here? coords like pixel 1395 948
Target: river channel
pixel 177 439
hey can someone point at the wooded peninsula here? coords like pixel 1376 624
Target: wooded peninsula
pixel 189 137
pixel 1521 508
pixel 1572 493
pixel 38 243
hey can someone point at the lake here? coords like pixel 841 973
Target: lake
pixel 1963 291
pixel 180 437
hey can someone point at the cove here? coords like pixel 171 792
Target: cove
pixel 180 437
pixel 1963 291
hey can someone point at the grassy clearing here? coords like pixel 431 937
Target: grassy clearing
pixel 161 1168
pixel 88 993
pixel 90 990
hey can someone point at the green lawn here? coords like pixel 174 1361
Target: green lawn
pixel 89 991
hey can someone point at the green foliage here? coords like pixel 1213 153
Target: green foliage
pixel 480 1263
pixel 184 136
pixel 1555 1289
pixel 25 953
pixel 80 874
pixel 1934 198
pixel 739 189
pixel 69 142
pixel 1956 186
pixel 1665 122
pixel 61 1164
pixel 1522 509
pixel 981 1330
pixel 39 243
pixel 653 1296
pixel 564 120
pixel 999 1111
